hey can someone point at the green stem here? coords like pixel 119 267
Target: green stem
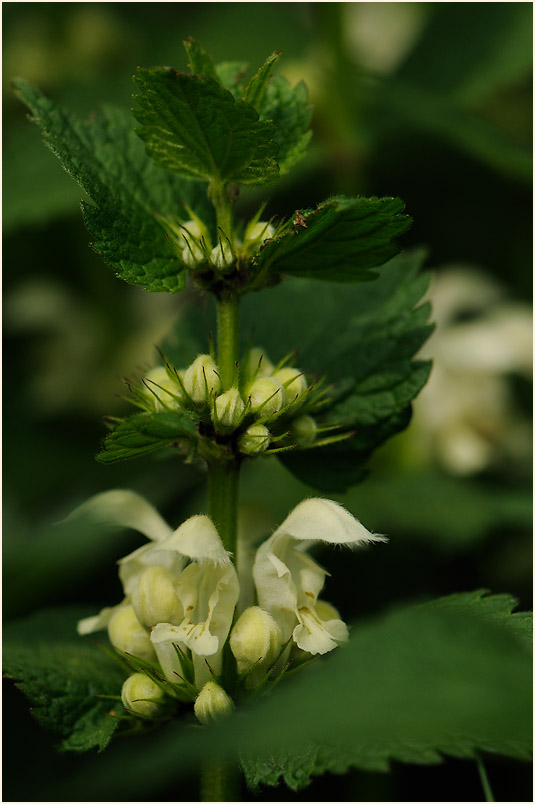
pixel 223 482
pixel 228 323
pixel 223 206
pixel 484 780
pixel 223 475
pixel 219 782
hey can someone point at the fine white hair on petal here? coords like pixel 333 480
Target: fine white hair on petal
pixel 198 538
pixel 317 519
pixel 125 509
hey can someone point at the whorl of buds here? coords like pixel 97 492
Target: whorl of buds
pixel 128 635
pixel 202 379
pixel 254 440
pixel 142 696
pixel 155 599
pixel 212 703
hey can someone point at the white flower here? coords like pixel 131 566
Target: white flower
pixel 208 590
pixel 188 605
pixel 288 581
pixel 126 509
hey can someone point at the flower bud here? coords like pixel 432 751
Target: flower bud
pixel 255 642
pixel 212 703
pixel 141 695
pixel 254 440
pixel 155 599
pixel 192 251
pixel 293 383
pixel 162 389
pixel 266 396
pixel 304 430
pixel 258 231
pixel 229 409
pixel 257 364
pixel 128 635
pixel 202 379
pixel 221 256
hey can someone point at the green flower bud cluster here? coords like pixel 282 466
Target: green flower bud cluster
pixel 195 248
pixel 266 408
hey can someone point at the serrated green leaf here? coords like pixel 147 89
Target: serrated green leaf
pixel 231 76
pixel 337 467
pixel 288 107
pixel 106 158
pixel 427 681
pixel 341 240
pixel 498 608
pixel 193 126
pixel 144 433
pixel 63 675
pixel 364 340
pixel 255 90
pixel 199 61
pixel 413 686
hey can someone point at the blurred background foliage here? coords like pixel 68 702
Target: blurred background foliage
pixel 427 101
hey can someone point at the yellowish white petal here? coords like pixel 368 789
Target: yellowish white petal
pixel 125 509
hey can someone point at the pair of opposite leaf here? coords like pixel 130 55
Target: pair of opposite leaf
pixel 205 127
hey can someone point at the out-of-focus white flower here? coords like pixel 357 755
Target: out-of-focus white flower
pixel 465 415
pixel 288 581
